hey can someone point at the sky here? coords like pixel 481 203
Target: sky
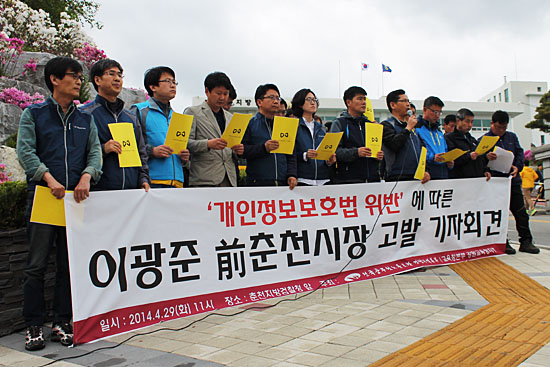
pixel 458 51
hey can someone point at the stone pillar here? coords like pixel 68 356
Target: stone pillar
pixel 543 153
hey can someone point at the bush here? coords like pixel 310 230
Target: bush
pixel 13 202
pixel 11 141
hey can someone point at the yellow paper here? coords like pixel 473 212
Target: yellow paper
pixel 46 208
pixel 373 137
pixel 369 111
pixel 178 132
pixel 486 143
pixel 234 131
pixel 328 146
pixel 123 132
pixel 452 155
pixel 421 170
pixel 284 131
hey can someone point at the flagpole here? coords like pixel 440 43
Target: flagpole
pixel 382 83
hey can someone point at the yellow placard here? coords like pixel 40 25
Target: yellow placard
pixel 328 146
pixel 421 169
pixel 178 132
pixel 373 137
pixel 452 155
pixel 234 131
pixel 486 143
pixel 369 111
pixel 46 208
pixel 123 132
pixel 284 131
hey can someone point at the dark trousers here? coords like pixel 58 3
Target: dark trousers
pixel 517 208
pixel 41 239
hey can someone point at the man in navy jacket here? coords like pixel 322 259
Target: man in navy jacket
pixel 264 168
pixel 107 78
pixel 509 141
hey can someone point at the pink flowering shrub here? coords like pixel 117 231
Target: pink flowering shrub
pixel 30 66
pixel 20 98
pixel 89 54
pixel 10 49
pixel 3 175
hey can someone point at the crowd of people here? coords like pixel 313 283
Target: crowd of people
pixel 65 147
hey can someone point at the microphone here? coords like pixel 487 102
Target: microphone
pixel 410 113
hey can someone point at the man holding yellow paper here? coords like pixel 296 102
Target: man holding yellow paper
pixel 212 162
pixel 468 165
pixel 356 163
pixel 58 147
pixel 263 167
pixel 165 165
pixel 107 79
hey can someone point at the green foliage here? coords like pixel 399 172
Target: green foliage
pixel 11 141
pixel 543 114
pixel 13 202
pixel 84 94
pixel 82 10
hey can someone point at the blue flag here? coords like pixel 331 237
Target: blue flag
pixel 386 68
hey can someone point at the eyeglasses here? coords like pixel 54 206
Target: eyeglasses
pixel 114 73
pixel 312 100
pixel 273 98
pixel 76 76
pixel 169 81
pixel 437 113
pixel 403 100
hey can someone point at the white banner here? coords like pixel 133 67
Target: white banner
pixel 139 258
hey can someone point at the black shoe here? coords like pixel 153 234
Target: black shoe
pixel 34 338
pixel 62 332
pixel 529 247
pixel 509 249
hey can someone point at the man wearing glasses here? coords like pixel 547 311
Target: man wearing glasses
pixel 58 147
pixel 265 168
pixel 165 165
pixel 400 142
pixel 106 77
pixel 433 138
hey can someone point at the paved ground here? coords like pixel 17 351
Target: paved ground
pixel 349 325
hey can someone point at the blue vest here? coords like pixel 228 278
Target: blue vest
pixel 113 177
pixel 156 126
pixel 61 142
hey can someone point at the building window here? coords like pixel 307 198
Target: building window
pixel 499 97
pixel 506 96
pixel 542 140
pixel 539 89
pixel 495 99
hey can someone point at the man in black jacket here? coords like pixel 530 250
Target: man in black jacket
pixel 468 165
pixel 355 162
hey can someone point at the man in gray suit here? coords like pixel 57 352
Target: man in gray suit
pixel 212 162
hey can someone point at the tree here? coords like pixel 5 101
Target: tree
pixel 543 114
pixel 82 10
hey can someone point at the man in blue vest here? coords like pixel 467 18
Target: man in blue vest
pixel 433 138
pixel 401 144
pixel 165 165
pixel 58 147
pixel 107 78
